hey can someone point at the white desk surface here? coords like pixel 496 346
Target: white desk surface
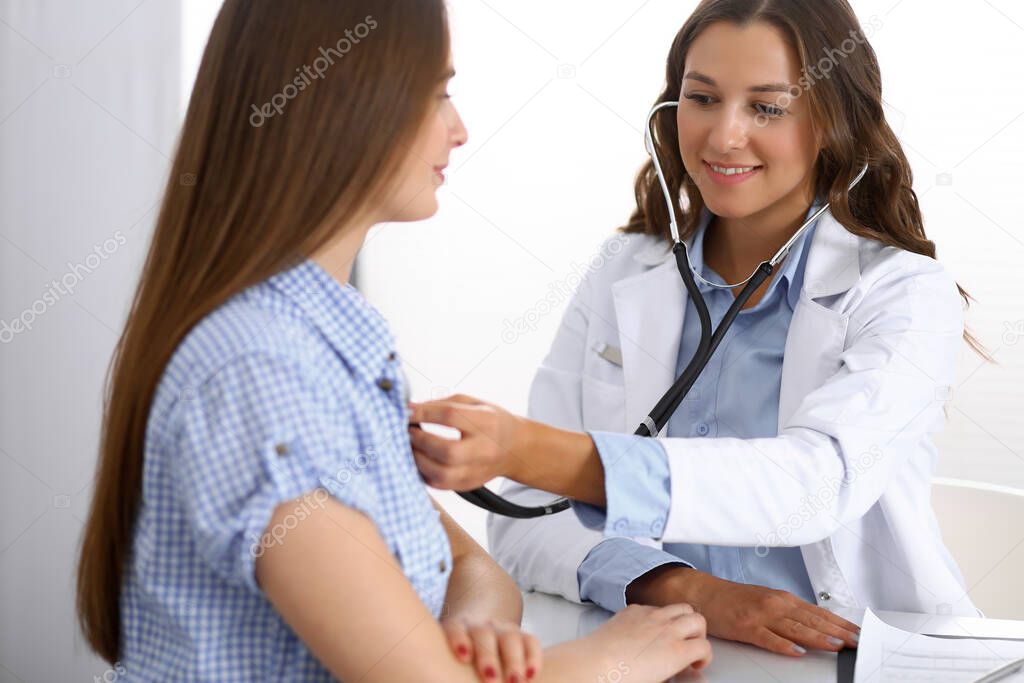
pixel 554 620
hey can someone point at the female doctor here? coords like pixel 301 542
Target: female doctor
pixel 795 476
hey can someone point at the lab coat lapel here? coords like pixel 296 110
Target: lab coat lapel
pixel 649 308
pixel 817 332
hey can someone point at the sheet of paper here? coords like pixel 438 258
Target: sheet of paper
pixel 887 654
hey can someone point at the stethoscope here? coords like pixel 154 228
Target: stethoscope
pixel 710 337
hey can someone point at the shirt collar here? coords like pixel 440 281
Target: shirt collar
pixel 790 271
pixel 349 323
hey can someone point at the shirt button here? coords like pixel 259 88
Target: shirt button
pixel 281 449
pixel 824 595
pixel 702 428
pixel 385 384
pixel 657 524
pixel 392 356
pixel 620 525
pixel 442 566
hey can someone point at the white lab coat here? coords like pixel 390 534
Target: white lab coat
pixel 869 361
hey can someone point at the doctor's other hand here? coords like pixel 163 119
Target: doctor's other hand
pixel 773 620
pixel 498 651
pixel 490 437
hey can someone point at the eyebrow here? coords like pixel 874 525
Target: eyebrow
pixel 766 87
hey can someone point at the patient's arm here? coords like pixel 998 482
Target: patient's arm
pixel 483 611
pixel 478 588
pixel 337 585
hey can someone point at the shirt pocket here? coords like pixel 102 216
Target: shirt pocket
pixel 426 560
pixel 604 405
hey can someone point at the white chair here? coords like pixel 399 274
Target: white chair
pixel 983 526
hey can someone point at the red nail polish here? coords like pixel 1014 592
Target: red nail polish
pixel 462 650
pixel 530 672
pixel 489 672
pixel 513 679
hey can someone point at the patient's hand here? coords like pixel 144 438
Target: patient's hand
pixel 499 651
pixel 771 619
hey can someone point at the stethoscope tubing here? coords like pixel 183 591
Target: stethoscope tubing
pixel 658 417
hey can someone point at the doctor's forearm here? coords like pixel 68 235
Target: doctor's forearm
pixel 560 461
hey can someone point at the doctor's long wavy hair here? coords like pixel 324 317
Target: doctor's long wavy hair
pixel 273 157
pixel 846 108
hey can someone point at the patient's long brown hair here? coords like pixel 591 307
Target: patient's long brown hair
pixel 846 108
pixel 299 113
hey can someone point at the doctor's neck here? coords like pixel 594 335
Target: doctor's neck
pixel 735 245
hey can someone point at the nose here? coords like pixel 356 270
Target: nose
pixel 729 131
pixel 459 134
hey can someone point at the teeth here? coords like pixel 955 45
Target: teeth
pixel 732 171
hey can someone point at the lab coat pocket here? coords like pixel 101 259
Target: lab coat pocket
pixel 604 363
pixel 604 405
pixel 426 560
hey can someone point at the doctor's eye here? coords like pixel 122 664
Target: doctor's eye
pixel 702 100
pixel 769 110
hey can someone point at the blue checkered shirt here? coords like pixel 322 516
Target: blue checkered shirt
pixel 290 390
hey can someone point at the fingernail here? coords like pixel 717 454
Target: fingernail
pixel 799 650
pixel 855 637
pixel 835 641
pixel 489 672
pixel 530 672
pixel 513 679
pixel 462 650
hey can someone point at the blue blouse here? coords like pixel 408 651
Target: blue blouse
pixel 290 390
pixel 737 396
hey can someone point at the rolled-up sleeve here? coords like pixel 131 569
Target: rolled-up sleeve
pixel 255 435
pixel 609 569
pixel 637 483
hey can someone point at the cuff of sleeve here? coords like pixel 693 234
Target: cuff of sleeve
pixel 295 475
pixel 637 487
pixel 608 570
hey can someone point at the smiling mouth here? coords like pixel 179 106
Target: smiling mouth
pixel 731 174
pixel 732 169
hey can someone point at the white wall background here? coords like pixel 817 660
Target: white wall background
pixel 89 109
pixel 554 96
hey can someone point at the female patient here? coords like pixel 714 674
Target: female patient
pixel 258 514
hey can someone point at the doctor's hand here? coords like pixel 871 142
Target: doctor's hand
pixel 490 437
pixel 493 443
pixel 770 619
